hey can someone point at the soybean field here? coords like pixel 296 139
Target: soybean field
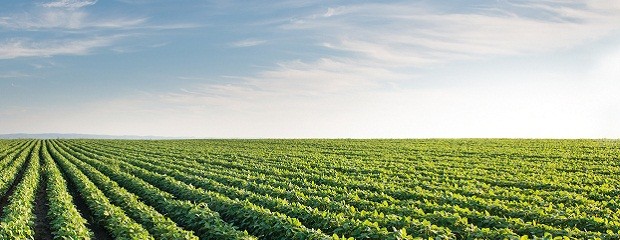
pixel 310 189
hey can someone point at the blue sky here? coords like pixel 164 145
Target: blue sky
pixel 535 69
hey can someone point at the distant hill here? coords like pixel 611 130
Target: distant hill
pixel 75 136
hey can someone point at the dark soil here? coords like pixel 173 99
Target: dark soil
pixel 42 229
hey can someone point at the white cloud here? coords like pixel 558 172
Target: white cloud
pixel 294 79
pixel 334 11
pixel 71 4
pixel 361 94
pixel 604 5
pixel 171 26
pixel 416 35
pixel 46 19
pixel 13 74
pixel 330 12
pixel 384 40
pixel 26 48
pixel 77 19
pixel 66 19
pixel 67 28
pixel 248 43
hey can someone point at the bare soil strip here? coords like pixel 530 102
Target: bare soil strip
pixel 42 229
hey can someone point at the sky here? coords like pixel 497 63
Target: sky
pixel 312 69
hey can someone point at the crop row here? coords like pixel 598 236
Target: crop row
pixel 479 216
pixel 310 189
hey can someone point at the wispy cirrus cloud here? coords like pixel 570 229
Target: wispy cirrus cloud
pixel 67 27
pixel 374 42
pixel 69 20
pixel 15 48
pixel 382 38
pixel 291 81
pixel 323 76
pixel 13 74
pixel 415 34
pixel 66 15
pixel 248 43
pixel 379 40
pixel 66 20
pixel 71 4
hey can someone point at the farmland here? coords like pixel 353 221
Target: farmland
pixel 310 189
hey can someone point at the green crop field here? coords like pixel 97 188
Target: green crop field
pixel 310 189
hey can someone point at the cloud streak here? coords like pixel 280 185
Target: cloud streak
pixel 53 19
pixel 66 27
pixel 415 35
pixel 13 74
pixel 248 43
pixel 380 40
pixel 70 4
pixel 16 48
pixel 358 84
pixel 290 80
